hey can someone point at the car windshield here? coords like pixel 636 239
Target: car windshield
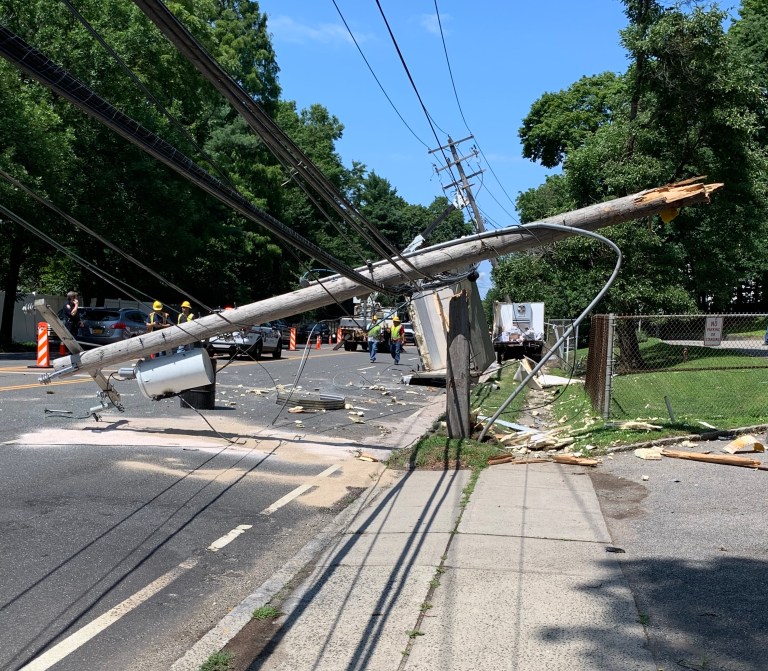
pixel 101 315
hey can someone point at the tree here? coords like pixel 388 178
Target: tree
pixel 685 107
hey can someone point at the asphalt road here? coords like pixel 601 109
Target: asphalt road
pixel 109 527
pixel 696 556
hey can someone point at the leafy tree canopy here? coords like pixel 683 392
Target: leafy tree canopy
pixel 686 106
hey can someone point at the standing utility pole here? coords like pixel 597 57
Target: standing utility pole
pixel 463 185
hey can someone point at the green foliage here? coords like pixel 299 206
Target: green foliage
pixel 686 106
pixel 218 661
pixel 137 203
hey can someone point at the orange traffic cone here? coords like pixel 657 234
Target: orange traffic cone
pixel 62 349
pixel 317 346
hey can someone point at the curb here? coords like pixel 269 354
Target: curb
pixel 693 437
pixel 239 616
pixel 231 624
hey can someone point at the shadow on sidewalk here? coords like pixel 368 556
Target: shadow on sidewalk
pixel 396 580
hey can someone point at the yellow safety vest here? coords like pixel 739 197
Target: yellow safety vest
pixel 396 332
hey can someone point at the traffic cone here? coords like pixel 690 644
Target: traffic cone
pixel 62 349
pixel 317 346
pixel 43 356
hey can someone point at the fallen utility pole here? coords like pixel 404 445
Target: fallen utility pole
pixel 439 258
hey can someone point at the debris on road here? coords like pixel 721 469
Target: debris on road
pixel 649 453
pixel 745 443
pixel 726 460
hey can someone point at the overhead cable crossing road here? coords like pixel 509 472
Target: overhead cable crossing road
pixel 284 149
pixel 439 258
pixel 39 67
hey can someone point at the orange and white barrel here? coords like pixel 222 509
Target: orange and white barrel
pixel 43 355
pixel 338 334
pixel 292 339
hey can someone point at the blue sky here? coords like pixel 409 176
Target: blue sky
pixel 503 55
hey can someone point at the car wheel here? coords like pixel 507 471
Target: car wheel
pixel 255 350
pixel 347 347
pixel 278 350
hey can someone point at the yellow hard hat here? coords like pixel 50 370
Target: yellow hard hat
pixel 395 318
pixel 374 318
pixel 186 304
pixel 157 305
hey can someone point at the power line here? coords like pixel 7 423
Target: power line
pixel 35 64
pixel 386 95
pixel 461 111
pixel 430 120
pixel 44 201
pixel 271 134
pixel 124 66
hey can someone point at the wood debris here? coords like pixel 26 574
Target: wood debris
pixel 649 453
pixel 633 425
pixel 727 460
pixel 745 443
pixel 576 461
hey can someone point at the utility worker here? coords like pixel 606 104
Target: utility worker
pixel 158 320
pixel 374 333
pixel 397 338
pixel 185 316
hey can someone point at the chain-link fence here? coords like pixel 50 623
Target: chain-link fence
pixel 685 369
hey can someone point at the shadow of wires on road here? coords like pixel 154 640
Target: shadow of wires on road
pixel 399 574
pixel 707 615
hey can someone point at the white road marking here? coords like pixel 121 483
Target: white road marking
pixel 228 538
pixel 299 490
pixel 81 637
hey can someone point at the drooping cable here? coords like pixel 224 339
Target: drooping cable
pixel 284 149
pixel 572 327
pixel 155 100
pixel 102 274
pixel 44 201
pixel 42 69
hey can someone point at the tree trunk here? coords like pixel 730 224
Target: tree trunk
pixel 10 286
pixel 631 359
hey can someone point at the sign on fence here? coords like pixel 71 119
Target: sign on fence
pixel 713 331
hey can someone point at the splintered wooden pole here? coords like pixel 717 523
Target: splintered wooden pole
pixel 437 259
pixel 457 371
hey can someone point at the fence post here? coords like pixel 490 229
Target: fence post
pixel 608 382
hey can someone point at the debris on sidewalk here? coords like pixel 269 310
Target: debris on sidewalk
pixel 649 453
pixel 743 444
pixel 575 461
pixel 556 458
pixel 633 425
pixel 363 456
pixel 726 460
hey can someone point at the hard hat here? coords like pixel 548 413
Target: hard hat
pixel 157 305
pixel 374 318
pixel 186 304
pixel 395 318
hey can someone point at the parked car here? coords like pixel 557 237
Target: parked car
pixel 312 331
pixel 104 326
pixel 410 336
pixel 253 341
pixel 285 331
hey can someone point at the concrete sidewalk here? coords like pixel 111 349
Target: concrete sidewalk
pixel 526 584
